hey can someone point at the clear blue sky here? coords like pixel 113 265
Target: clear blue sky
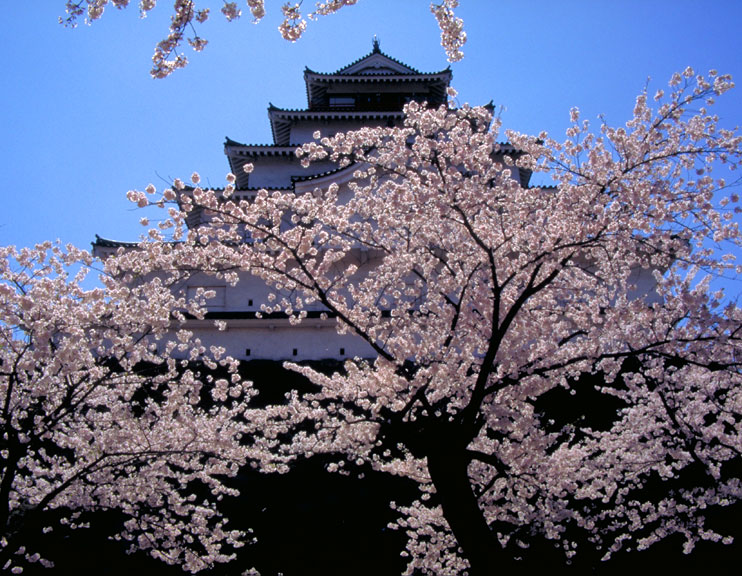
pixel 82 121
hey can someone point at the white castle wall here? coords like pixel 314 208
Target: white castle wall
pixel 313 339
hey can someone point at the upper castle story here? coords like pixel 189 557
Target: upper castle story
pixel 371 91
pixel 368 92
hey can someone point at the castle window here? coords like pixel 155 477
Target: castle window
pixel 295 352
pixel 247 351
pixel 342 101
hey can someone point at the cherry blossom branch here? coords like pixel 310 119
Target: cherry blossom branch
pixel 185 15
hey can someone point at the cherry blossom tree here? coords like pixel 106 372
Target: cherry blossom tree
pixel 186 16
pixel 97 416
pixel 552 364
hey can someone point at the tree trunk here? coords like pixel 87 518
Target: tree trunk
pixel 447 465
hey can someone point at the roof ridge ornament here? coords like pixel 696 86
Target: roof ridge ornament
pixel 376 46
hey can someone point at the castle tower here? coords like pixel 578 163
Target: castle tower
pixel 371 91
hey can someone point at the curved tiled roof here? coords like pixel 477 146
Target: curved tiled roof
pixel 322 174
pixel 259 188
pixel 343 71
pixel 376 50
pixel 334 112
pixel 229 142
pixel 108 243
pixel 374 77
pixel 260 149
pixel 374 68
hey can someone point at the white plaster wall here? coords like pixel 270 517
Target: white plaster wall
pixel 278 340
pixel 304 131
pixel 277 171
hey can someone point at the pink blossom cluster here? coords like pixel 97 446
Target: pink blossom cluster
pixel 230 11
pixel 485 300
pixel 293 24
pixel 453 36
pixel 97 415
pixel 185 16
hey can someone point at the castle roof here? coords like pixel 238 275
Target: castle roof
pixel 376 63
pixel 108 243
pixel 372 72
pixel 282 119
pixel 232 147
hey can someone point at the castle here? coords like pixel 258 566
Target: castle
pixel 371 91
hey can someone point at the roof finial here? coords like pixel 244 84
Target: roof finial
pixel 376 45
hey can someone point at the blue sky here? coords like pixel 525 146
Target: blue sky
pixel 82 122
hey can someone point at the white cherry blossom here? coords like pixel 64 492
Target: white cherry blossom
pixel 186 15
pixel 550 364
pixel 97 416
